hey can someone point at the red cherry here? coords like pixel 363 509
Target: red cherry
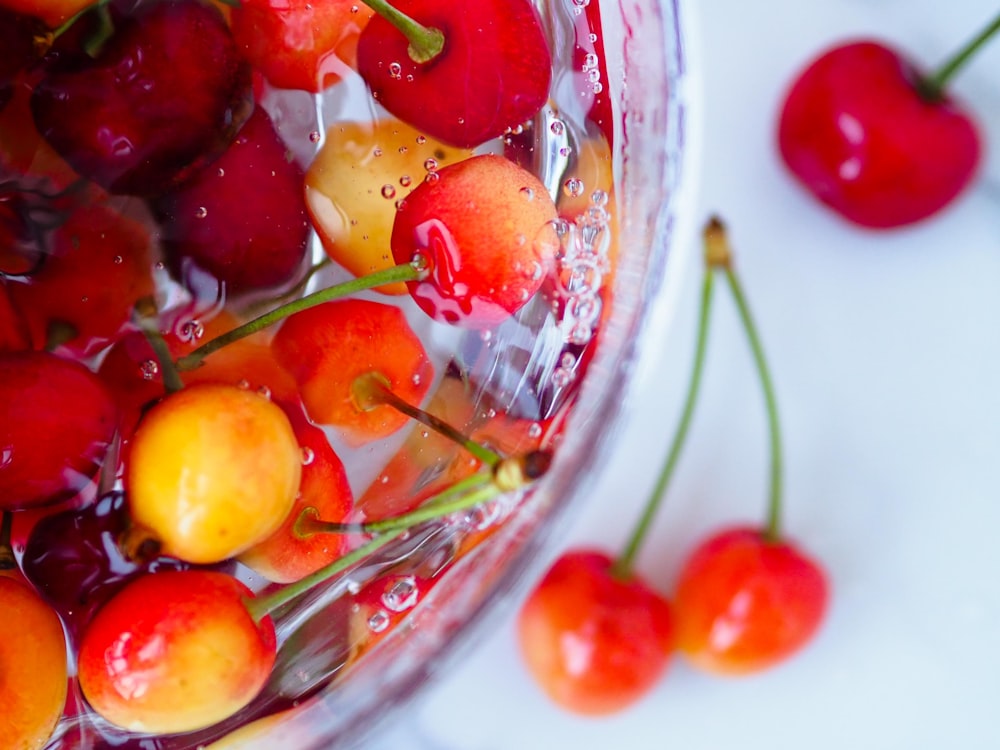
pixel 56 423
pixel 596 643
pixel 166 93
pixel 175 651
pixel 484 229
pixel 13 330
pixel 300 44
pixel 745 603
pixel 243 218
pixel 492 74
pixel 858 132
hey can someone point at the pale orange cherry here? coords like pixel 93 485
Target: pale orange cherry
pixel 212 470
pixel 353 185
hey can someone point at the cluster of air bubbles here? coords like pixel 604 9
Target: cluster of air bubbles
pixel 395 70
pixel 592 72
pixel 192 330
pixel 582 264
pixel 148 369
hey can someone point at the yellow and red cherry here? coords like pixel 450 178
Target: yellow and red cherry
pixel 329 350
pixel 172 91
pixel 242 218
pixel 33 666
pixel 875 138
pixel 745 603
pixel 307 45
pixel 287 555
pixel 594 640
pixel 462 78
pixel 211 471
pixel 362 171
pixel 96 268
pixel 58 423
pixel 174 652
pixel 483 232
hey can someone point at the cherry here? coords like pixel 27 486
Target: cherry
pixel 594 640
pixel 14 335
pixel 327 349
pixel 73 559
pixel 96 267
pixel 354 183
pixel 747 598
pixel 19 35
pixel 887 152
pixel 165 94
pixel 461 77
pixel 243 218
pixel 287 556
pixel 300 44
pixel 212 470
pixel 57 421
pixel 486 249
pixel 51 12
pixel 175 651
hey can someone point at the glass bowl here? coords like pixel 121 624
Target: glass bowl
pixel 550 383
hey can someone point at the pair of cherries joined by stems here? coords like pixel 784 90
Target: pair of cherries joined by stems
pixel 876 139
pixel 597 637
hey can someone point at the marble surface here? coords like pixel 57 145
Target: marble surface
pixel 886 354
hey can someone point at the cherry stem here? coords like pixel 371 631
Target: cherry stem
pixel 402 272
pixel 932 87
pixel 296 290
pixel 7 561
pixel 622 567
pixel 372 389
pixel 426 42
pixel 772 531
pixel 510 474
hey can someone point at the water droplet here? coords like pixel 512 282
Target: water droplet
pixel 192 330
pixel 395 70
pixel 201 213
pixel 561 378
pixel 400 204
pixel 528 193
pixel 430 164
pixel 592 37
pixel 388 191
pixel 222 172
pixel 354 9
pixel 573 187
pixel 432 177
pixel 594 76
pixel 314 136
pixel 580 334
pixel 159 265
pixel 264 391
pixel 599 198
pixel 597 88
pixel 416 378
pixel 405 180
pixel 421 140
pixel 565 151
pixel 243 384
pixel 149 368
pixel 535 431
pixel 590 61
pixel 403 149
pixel 118 260
pixel 378 622
pixel 567 360
pixel 377 151
pixel 557 127
pixel 308 456
pixel 401 595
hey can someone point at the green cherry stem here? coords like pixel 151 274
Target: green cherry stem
pixel 7 561
pixel 772 531
pixel 932 87
pixel 426 42
pixel 622 566
pixel 402 272
pixel 510 474
pixel 371 390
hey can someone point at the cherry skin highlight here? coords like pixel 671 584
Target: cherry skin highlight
pixel 174 652
pixel 595 643
pixel 744 603
pixel 484 230
pixel 856 131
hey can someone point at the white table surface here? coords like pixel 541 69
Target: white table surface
pixel 886 353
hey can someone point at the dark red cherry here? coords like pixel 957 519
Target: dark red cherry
pixel 492 74
pixel 243 218
pixel 165 94
pixel 19 48
pixel 56 422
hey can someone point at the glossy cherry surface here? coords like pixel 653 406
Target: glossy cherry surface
pixel 744 603
pixel 857 131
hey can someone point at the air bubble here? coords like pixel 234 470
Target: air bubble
pixel 573 187
pixel 421 140
pixel 308 456
pixel 149 368
pixel 378 622
pixel 580 334
pixel 557 127
pixel 395 70
pixel 377 151
pixel 432 177
pixel 590 61
pixel 561 378
pixel 201 213
pixel 599 198
pixel 594 76
pixel 405 180
pixel 192 331
pixel 243 384
pixel 535 431
pixel 265 392
pixel 416 379
pixel 597 88
pixel 222 172
pixel 592 37
pixel 567 360
pixel 430 164
pixel 565 151
pixel 401 595
pixel 400 204
pixel 528 193
pixel 388 191
pixel 314 136
pixel 403 149
pixel 118 260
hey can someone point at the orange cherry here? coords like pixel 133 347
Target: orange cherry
pixel 212 470
pixel 175 651
pixel 327 349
